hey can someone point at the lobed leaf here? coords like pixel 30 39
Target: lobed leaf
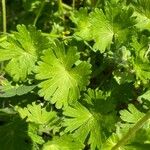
pixel 63 79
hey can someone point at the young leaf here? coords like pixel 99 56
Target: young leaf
pixel 63 78
pixel 22 50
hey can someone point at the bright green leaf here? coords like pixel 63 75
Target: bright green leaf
pixel 81 19
pixel 63 78
pixel 87 121
pixel 22 50
pixel 65 142
pixel 141 63
pixel 132 115
pixel 35 113
pixel 101 29
pixel 145 96
pixel 15 90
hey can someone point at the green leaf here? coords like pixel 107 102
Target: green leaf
pixel 36 114
pixel 65 142
pixel 142 14
pixel 132 115
pixel 129 117
pixel 141 63
pixel 115 24
pixel 63 77
pixel 15 90
pixel 22 50
pixel 101 29
pixel 33 131
pixel 7 111
pixel 81 19
pixel 88 121
pixel 14 136
pixel 31 5
pixel 145 96
pixel 113 140
pixel 143 22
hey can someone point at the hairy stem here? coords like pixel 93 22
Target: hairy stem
pixel 132 131
pixel 4 16
pixel 39 13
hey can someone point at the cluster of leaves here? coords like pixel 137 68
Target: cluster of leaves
pixel 79 83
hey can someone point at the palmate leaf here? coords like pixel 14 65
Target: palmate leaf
pixel 101 29
pixel 86 122
pixel 129 118
pixel 63 78
pixel 132 115
pixel 21 50
pixel 65 142
pixel 115 24
pixel 122 20
pixel 142 14
pixel 114 139
pixel 143 22
pixel 140 140
pixel 81 19
pixel 39 119
pixel 104 26
pixel 141 63
pixel 145 96
pixel 36 114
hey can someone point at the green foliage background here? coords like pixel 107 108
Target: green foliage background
pixel 75 75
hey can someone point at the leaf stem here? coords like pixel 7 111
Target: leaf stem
pixel 60 6
pixel 39 13
pixel 73 4
pixel 132 131
pixel 66 6
pixel 4 16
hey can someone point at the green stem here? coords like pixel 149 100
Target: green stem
pixel 60 4
pixel 132 131
pixel 4 16
pixel 65 6
pixel 96 4
pixel 73 4
pixel 61 10
pixel 39 13
pixel 4 27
